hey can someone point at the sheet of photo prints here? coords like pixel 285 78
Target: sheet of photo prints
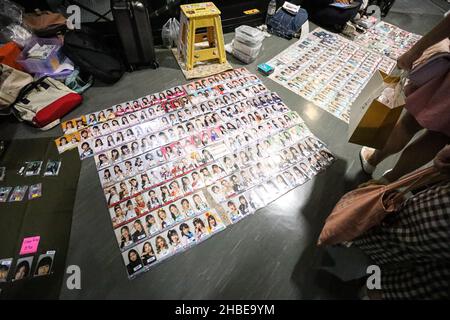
pixel 178 166
pixel 328 70
pixel 387 39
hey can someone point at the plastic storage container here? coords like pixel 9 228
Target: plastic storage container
pixel 252 37
pixel 48 65
pixel 244 57
pixel 245 49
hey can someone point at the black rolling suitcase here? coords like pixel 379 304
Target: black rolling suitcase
pixel 135 31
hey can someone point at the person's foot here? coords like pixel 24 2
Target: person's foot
pixel 364 157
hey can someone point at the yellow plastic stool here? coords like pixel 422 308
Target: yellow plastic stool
pixel 196 16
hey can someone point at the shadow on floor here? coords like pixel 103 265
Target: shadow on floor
pixel 320 272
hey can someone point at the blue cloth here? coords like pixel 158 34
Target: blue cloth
pixel 287 25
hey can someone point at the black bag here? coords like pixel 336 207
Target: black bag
pixel 321 13
pixel 135 31
pixel 93 56
pixel 385 6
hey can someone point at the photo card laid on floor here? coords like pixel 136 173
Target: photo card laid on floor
pixel 18 193
pixel 328 70
pixel 182 167
pixel 44 264
pixel 35 191
pixel 52 168
pixel 23 268
pixel 5 268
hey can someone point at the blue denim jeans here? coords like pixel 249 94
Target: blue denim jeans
pixel 285 24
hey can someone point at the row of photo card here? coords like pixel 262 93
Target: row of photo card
pixel 244 170
pixel 176 97
pixel 241 78
pixel 328 70
pixel 130 160
pixel 268 168
pixel 110 134
pixel 23 268
pixel 266 187
pixel 33 168
pixel 174 228
pixel 202 176
pixel 143 226
pixel 184 180
pixel 175 239
pixel 136 197
pixel 131 179
pixel 69 140
pixel 182 125
pixel 18 193
pixel 387 39
pixel 130 107
pixel 137 150
pixel 72 138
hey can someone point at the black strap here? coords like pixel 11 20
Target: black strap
pixel 28 88
pixel 23 93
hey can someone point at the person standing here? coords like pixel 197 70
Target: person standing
pixel 412 245
pixel 427 108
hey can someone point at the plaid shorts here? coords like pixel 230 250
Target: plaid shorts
pixel 412 247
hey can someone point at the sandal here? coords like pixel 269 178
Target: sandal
pixel 365 165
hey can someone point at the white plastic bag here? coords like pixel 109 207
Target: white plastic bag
pixel 174 30
pixel 169 33
pixel 166 35
pixel 11 27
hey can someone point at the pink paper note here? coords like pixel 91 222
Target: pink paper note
pixel 30 245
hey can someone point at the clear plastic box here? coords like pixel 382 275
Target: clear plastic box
pixel 252 37
pixel 250 51
pixel 243 57
pixel 48 65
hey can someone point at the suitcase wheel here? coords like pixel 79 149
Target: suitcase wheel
pixel 155 65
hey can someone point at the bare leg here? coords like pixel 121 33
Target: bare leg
pixel 403 132
pixel 421 151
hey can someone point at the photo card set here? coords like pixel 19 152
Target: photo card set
pixel 387 39
pixel 29 169
pixel 328 70
pixel 23 269
pixel 97 131
pixel 182 173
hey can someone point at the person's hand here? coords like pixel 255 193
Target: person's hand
pixel 406 61
pixel 442 160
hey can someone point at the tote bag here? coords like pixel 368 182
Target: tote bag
pixel 363 208
pixel 11 82
pixel 43 102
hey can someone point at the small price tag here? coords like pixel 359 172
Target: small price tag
pixel 30 245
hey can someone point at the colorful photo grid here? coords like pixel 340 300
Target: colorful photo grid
pixel 173 178
pixel 328 70
pixel 387 39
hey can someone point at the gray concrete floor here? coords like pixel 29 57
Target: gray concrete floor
pixel 270 255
